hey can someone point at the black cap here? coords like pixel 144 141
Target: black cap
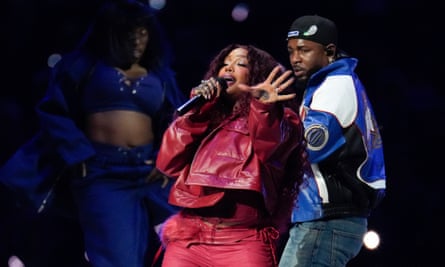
pixel 314 28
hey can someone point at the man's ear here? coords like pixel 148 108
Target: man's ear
pixel 330 50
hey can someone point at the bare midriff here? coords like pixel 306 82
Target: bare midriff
pixel 122 128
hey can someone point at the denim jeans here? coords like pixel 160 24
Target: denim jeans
pixel 118 209
pixel 329 243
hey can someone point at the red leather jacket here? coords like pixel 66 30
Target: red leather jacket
pixel 242 153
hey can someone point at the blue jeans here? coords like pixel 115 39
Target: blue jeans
pixel 329 243
pixel 118 209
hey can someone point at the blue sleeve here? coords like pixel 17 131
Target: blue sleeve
pixel 323 133
pixel 60 117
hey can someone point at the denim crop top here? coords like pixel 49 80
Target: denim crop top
pixel 106 90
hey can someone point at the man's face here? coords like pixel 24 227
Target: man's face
pixel 306 58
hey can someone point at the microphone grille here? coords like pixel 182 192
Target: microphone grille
pixel 222 83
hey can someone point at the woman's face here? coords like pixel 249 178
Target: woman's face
pixel 235 70
pixel 140 38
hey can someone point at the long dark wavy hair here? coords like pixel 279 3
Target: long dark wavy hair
pixel 109 35
pixel 260 65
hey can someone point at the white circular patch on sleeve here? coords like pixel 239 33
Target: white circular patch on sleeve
pixel 317 136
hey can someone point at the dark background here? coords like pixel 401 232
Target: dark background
pixel 399 47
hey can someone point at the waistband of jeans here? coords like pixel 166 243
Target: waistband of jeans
pixel 117 154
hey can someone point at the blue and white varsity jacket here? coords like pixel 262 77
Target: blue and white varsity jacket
pixel 344 147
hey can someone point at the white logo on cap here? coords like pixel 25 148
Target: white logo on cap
pixel 293 34
pixel 311 31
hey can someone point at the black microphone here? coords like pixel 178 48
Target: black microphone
pixel 199 100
